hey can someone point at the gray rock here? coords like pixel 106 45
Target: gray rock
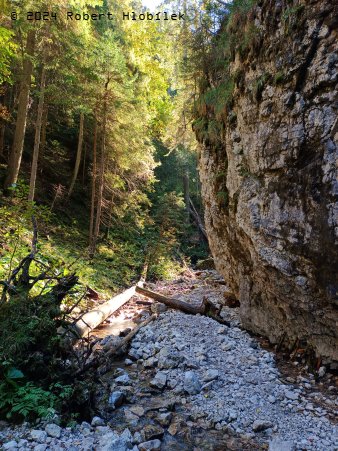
pixel 123 380
pixel 321 371
pixel 164 418
pixel 266 217
pixel 192 383
pixel 97 421
pixel 10 445
pixel 137 438
pixel 134 354
pixel 102 429
pixel 85 425
pixel 152 445
pixel 150 363
pixel 114 442
pixel 158 308
pixel 210 375
pixel 38 436
pixel 152 432
pixel 281 445
pixel 261 425
pixel 53 430
pixel 159 381
pixel 41 447
pixel 291 395
pixel 116 399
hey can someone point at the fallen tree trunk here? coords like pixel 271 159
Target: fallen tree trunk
pixel 197 219
pixel 128 337
pixel 173 303
pixel 95 317
pixel 205 308
pixel 97 361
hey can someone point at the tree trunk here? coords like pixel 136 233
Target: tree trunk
pixel 110 217
pixel 37 136
pixel 84 165
pixel 43 130
pixel 101 174
pixel 2 140
pixel 198 220
pixel 95 317
pixel 93 195
pixel 173 303
pixel 186 196
pixel 20 126
pixel 78 155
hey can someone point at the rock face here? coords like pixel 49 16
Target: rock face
pixel 269 178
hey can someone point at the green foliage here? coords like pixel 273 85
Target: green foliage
pixel 279 77
pixel 243 170
pixel 292 13
pixel 219 97
pixel 218 85
pixel 7 51
pixel 22 400
pixel 173 237
pixel 166 231
pixel 26 402
pixel 259 85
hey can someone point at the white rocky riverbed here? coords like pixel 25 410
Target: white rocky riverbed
pixel 190 383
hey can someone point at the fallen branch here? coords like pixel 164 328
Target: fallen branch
pixel 97 362
pixel 173 303
pixel 197 219
pixel 128 337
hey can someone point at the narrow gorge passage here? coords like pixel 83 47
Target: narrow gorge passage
pixel 190 383
pixel 168 225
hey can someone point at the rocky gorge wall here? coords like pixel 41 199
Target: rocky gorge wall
pixel 270 176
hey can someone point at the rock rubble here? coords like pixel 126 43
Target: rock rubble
pixel 189 383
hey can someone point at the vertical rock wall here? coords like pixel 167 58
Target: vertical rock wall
pixel 270 185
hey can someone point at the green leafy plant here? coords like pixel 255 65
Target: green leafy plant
pixel 279 77
pixel 26 402
pixel 260 84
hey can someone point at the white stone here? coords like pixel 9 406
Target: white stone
pixel 38 435
pixel 53 430
pixel 10 445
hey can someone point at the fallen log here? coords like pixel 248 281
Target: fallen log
pixel 205 308
pixel 173 303
pixel 128 337
pixel 95 317
pixel 97 362
pixel 197 219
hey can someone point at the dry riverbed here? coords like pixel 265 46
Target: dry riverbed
pixel 191 383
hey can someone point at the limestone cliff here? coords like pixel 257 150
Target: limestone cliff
pixel 269 169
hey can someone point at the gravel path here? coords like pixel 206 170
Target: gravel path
pixel 233 383
pixel 190 383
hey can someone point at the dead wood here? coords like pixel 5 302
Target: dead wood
pixel 197 219
pixel 92 294
pixel 97 362
pixel 95 317
pixel 128 337
pixel 90 320
pixel 205 308
pixel 173 303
